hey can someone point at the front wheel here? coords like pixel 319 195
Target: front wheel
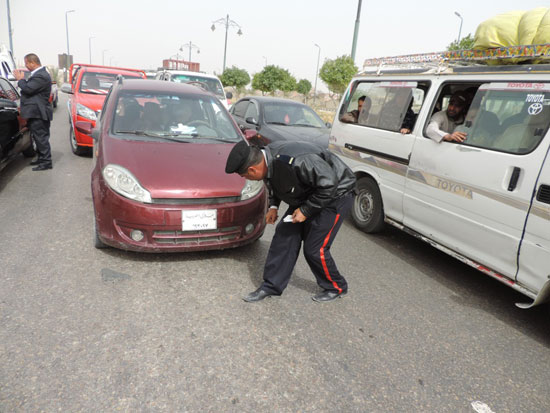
pixel 77 150
pixel 368 210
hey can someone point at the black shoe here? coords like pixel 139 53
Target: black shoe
pixel 42 167
pixel 327 296
pixel 257 295
pixel 35 162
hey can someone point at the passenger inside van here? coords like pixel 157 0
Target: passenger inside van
pixel 363 106
pixel 408 120
pixel 443 123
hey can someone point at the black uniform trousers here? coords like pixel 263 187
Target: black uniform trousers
pixel 317 234
pixel 40 131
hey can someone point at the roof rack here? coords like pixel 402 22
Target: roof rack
pixel 439 61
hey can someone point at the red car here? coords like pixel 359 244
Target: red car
pixel 89 84
pixel 159 181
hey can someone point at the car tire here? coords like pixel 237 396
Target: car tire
pixel 77 150
pixel 97 241
pixel 368 211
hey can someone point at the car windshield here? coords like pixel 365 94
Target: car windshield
pixel 213 85
pixel 290 114
pixel 182 118
pixel 100 83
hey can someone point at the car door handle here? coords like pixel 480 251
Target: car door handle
pixel 514 179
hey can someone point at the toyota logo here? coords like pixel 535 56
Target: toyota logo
pixel 535 109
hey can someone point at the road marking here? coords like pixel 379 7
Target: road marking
pixel 481 407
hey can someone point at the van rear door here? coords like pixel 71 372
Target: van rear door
pixel 474 197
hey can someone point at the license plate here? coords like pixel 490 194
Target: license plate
pixel 199 219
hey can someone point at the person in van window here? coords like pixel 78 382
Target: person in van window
pixel 408 120
pixel 443 123
pixel 363 104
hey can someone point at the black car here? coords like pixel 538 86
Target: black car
pixel 280 119
pixel 15 138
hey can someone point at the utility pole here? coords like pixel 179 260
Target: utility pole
pixel 356 31
pixel 9 27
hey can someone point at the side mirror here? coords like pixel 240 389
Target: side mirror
pixel 252 121
pixel 250 134
pixel 328 125
pixel 95 134
pixel 84 127
pixel 229 95
pixel 11 77
pixel 6 103
pixel 66 88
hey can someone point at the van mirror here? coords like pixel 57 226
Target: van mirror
pixel 66 88
pixel 11 77
pixel 229 95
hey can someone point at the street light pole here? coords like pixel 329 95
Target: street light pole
pixel 227 23
pixel 103 56
pixel 356 32
pixel 460 29
pixel 90 47
pixel 68 52
pixel 9 26
pixel 316 73
pixel 190 45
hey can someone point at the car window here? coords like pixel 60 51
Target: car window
pixel 172 117
pixel 213 85
pixel 291 114
pixel 509 117
pixel 7 91
pixel 251 111
pixel 239 109
pixel 100 83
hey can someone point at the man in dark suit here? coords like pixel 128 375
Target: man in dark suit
pixel 35 93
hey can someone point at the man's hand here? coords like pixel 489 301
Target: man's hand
pixel 297 216
pixel 18 74
pixel 455 136
pixel 405 131
pixel 271 216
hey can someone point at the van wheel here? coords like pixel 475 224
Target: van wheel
pixel 368 211
pixel 77 150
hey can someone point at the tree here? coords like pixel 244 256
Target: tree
pixel 464 44
pixel 274 78
pixel 303 87
pixel 338 73
pixel 235 77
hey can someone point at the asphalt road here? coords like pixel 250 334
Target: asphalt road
pixel 105 330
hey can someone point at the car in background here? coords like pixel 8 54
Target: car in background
pixel 15 138
pixel 158 179
pixel 88 86
pixel 277 119
pixel 212 83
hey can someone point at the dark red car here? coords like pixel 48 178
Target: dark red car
pixel 159 181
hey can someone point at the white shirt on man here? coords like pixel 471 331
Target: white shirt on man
pixel 441 125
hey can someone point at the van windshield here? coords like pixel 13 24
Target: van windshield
pixel 508 117
pixel 213 85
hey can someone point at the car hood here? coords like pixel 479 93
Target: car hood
pixel 176 170
pixel 94 102
pixel 300 133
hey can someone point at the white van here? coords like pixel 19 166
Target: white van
pixel 7 64
pixel 485 201
pixel 212 83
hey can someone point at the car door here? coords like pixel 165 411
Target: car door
pixel 474 197
pixel 9 123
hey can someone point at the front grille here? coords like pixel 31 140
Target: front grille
pixel 195 201
pixel 196 237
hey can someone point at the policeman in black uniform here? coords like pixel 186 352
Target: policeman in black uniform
pixel 318 188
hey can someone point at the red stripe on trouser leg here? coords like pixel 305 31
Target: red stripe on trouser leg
pixel 323 261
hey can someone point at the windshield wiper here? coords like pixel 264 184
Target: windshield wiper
pixel 277 123
pixel 304 124
pixel 139 133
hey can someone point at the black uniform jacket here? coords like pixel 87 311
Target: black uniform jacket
pixel 35 93
pixel 305 175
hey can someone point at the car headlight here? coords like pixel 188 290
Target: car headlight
pixel 85 112
pixel 251 189
pixel 123 182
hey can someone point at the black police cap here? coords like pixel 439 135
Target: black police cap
pixel 237 157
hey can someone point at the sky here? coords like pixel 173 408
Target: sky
pixel 140 34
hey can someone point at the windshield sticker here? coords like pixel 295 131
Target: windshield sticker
pixel 534 109
pixel 531 98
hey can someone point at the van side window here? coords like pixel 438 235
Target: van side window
pixel 508 117
pixel 240 108
pixel 391 106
